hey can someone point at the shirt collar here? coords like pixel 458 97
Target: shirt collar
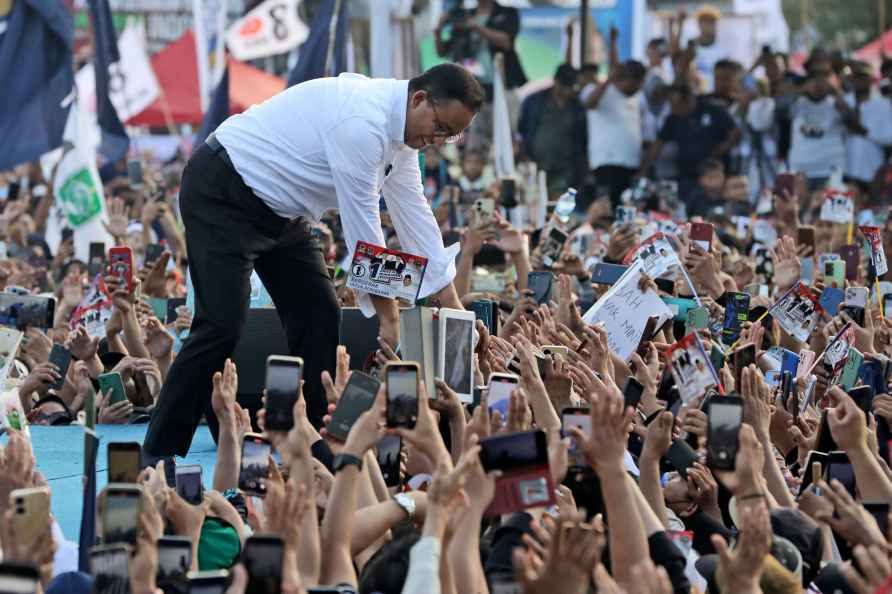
pixel 398 111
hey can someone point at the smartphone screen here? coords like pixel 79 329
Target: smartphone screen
pixel 123 462
pixel 389 459
pixel 632 392
pixel 97 259
pixel 607 274
pixel 540 284
pixel 579 418
pixel 263 557
pixel 209 582
pixel 173 304
pixel 134 173
pixel 120 517
pixel 23 311
pixel 153 252
pixel 552 246
pixel 701 235
pixel 112 382
pixel 743 358
pixel 737 309
pixel 174 560
pixel 515 450
pixel 255 464
pixel 189 487
pixel 725 417
pixel 499 392
pixel 402 395
pixel 358 397
pixel 61 358
pixel 109 566
pixel 120 263
pixel 283 376
pixel 839 468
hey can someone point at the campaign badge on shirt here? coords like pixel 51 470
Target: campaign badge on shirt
pixel 838 207
pixel 386 273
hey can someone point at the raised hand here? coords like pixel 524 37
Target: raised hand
pixel 741 567
pixel 223 397
pixel 80 344
pixel 787 268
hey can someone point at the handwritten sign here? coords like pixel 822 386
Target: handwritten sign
pixel 624 311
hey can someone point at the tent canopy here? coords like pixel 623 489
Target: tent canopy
pixel 872 52
pixel 176 67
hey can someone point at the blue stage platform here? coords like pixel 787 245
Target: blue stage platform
pixel 60 457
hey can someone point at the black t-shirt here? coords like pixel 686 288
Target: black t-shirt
pixel 697 135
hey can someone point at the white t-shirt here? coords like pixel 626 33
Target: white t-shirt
pixel 864 153
pixel 705 61
pixel 614 128
pixel 818 145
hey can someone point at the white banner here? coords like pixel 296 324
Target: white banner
pixel 132 86
pixel 272 27
pixel 209 24
pixel 503 148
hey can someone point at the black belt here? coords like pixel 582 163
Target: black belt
pixel 218 149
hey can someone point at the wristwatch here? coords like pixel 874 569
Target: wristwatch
pixel 407 503
pixel 342 460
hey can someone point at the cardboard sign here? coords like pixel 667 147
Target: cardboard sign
pixel 386 273
pixel 874 238
pixel 691 368
pixel 838 207
pixel 797 312
pixel 94 310
pixel 624 310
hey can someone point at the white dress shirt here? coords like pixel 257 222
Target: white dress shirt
pixel 865 153
pixel 337 143
pixel 423 576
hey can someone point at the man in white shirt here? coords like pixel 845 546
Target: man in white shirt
pixel 870 131
pixel 614 110
pixel 248 197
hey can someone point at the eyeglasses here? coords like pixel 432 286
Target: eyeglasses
pixel 440 131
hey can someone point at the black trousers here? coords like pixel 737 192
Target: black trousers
pixel 229 233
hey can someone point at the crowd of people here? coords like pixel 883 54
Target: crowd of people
pixel 649 484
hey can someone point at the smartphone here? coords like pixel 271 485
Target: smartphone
pixel 854 312
pixel 632 392
pixel 120 264
pixel 607 274
pixel 153 252
pixel 359 395
pixel 389 450
pixel 737 307
pixel 402 393
pixel 120 518
pixel 742 358
pixel 262 557
pixel 581 419
pixel 189 484
pixel 863 397
pixel 485 311
pixel 481 213
pixel 540 283
pixel 23 311
pixel 61 358
pixel 283 375
pixel 112 382
pixel 786 386
pixel 871 374
pixel 831 298
pixel 30 512
pixel 824 441
pixel 785 181
pixel 123 461
pixel 18 578
pixel 134 173
pixel 96 264
pixel 550 350
pixel 208 582
pixel 174 561
pixel 723 429
pixel 839 467
pixel 835 274
pixel 701 235
pixel 553 246
pixel 514 450
pixel 504 583
pixel 254 471
pixel 508 192
pixel 173 303
pixel 110 567
pixel 851 255
pixel 681 456
pixel 499 392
